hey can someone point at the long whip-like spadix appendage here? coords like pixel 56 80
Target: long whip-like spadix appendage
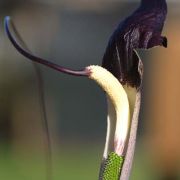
pixel 37 59
pixel 41 96
pixel 119 102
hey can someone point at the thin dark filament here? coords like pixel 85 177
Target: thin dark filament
pixel 27 54
pixel 42 103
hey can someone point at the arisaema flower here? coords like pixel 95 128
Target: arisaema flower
pixel 120 76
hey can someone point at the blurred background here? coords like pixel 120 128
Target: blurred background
pixel 74 33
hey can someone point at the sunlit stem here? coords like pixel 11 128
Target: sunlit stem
pixel 120 110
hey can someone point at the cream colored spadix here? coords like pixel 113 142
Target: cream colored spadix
pixel 120 112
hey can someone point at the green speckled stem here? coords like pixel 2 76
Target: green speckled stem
pixel 112 167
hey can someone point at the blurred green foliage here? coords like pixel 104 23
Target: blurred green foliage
pixel 76 163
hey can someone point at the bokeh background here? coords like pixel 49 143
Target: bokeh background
pixel 74 33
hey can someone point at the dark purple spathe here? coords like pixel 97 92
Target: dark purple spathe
pixel 141 30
